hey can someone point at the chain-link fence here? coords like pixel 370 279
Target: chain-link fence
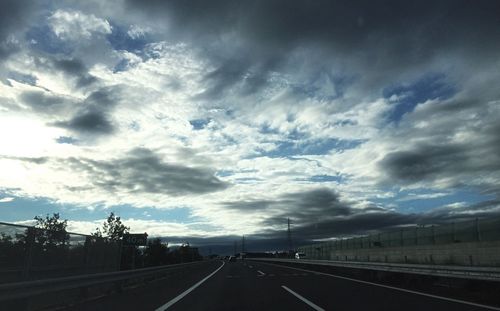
pixel 468 231
pixel 28 253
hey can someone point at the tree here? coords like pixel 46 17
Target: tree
pixel 156 253
pixel 53 230
pixel 112 228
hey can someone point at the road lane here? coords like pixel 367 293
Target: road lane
pixel 187 291
pixel 149 296
pixel 239 287
pixel 333 293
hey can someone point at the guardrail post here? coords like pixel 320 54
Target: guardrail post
pixel 453 237
pixel 478 233
pixel 433 235
pixel 87 253
pixel 119 259
pixel 30 240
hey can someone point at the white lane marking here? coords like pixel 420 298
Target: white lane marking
pixel 394 288
pixel 251 267
pixel 261 273
pixel 176 299
pixel 308 302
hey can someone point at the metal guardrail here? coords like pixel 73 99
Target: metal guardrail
pixel 18 290
pixel 473 273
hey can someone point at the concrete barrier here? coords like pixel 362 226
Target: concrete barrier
pixel 484 254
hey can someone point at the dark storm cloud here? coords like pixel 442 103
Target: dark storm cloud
pixel 142 171
pixel 14 14
pixel 300 205
pixel 378 39
pixel 139 171
pixel 73 69
pixel 77 69
pixel 320 214
pixel 94 117
pixel 90 121
pixel 360 222
pixel 424 162
pixel 476 161
pixel 35 160
pixel 248 205
pixel 44 102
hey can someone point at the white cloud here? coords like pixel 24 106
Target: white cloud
pixel 74 25
pixel 6 199
pixel 136 31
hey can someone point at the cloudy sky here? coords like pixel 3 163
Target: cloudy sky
pixel 221 118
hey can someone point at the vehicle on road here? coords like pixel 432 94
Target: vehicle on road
pixel 300 255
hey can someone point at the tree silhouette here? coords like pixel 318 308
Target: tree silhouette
pixel 112 228
pixel 53 231
pixel 156 253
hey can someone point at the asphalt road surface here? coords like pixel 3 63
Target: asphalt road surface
pixel 261 286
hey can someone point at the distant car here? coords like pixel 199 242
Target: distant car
pixel 232 259
pixel 300 255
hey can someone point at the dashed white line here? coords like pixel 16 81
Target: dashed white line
pixel 171 302
pixel 261 273
pixel 251 267
pixel 308 302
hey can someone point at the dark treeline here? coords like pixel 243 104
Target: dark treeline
pixel 48 250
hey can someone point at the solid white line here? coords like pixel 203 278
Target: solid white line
pixel 394 288
pixel 312 305
pixel 176 299
pixel 261 273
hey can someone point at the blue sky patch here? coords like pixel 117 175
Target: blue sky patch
pixel 26 209
pixel 120 40
pixel 42 38
pixel 22 78
pixel 416 201
pixel 430 86
pixel 199 124
pixel 326 178
pixel 312 147
pixel 66 140
pixel 224 173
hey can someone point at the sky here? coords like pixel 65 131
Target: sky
pixel 208 120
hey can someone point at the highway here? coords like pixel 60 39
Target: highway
pixel 262 286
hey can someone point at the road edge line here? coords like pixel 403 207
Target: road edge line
pixel 187 291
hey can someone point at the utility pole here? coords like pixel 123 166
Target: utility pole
pixel 243 244
pixel 235 247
